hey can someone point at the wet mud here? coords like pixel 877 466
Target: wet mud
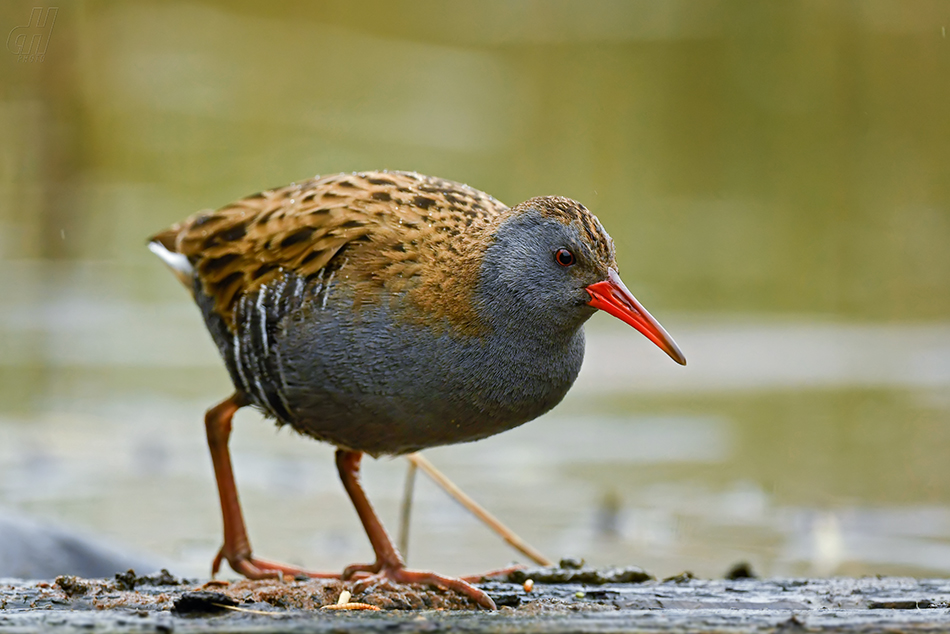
pixel 558 599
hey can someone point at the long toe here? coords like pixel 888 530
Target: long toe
pixel 292 571
pixel 351 572
pixel 453 583
pixel 423 577
pixel 254 568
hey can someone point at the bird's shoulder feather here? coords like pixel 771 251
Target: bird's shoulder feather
pixel 399 231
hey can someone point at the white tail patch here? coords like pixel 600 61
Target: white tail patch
pixel 175 261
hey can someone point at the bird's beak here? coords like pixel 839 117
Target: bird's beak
pixel 613 297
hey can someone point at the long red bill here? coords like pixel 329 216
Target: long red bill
pixel 613 297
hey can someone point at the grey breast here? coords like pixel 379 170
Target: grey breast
pixel 371 381
pixel 366 378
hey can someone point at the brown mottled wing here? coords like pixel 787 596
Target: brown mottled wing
pixel 302 227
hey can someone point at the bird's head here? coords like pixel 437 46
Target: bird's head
pixel 551 265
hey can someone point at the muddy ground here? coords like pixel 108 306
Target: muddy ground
pixel 563 599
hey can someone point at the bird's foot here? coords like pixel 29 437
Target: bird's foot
pixel 254 568
pixel 370 574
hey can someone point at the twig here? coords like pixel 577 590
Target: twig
pixel 405 513
pixel 248 610
pixel 506 533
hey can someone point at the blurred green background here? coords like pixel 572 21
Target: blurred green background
pixel 776 176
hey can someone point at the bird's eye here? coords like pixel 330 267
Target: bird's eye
pixel 564 257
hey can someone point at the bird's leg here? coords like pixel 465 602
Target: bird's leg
pixel 237 547
pixel 389 563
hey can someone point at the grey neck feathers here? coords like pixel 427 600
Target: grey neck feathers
pixel 519 292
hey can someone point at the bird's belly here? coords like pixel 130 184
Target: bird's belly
pixel 385 386
pixel 394 425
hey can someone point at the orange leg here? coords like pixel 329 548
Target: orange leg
pixel 237 547
pixel 389 563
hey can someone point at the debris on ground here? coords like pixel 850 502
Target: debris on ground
pixel 528 601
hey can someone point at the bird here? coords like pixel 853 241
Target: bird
pixel 386 312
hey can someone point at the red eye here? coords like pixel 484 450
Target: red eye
pixel 564 257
